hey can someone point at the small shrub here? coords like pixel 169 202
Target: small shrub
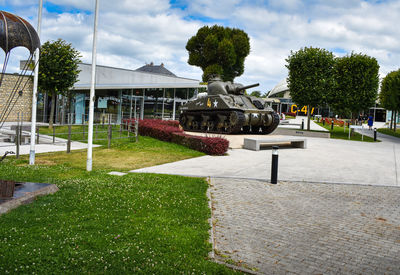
pixel 208 145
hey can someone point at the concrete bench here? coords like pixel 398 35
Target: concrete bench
pixel 254 143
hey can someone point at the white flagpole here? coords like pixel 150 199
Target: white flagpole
pixel 92 93
pixel 34 95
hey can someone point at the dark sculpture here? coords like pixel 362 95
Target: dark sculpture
pixel 15 32
pixel 5 154
pixel 227 110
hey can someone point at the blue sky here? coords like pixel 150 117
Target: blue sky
pixel 133 33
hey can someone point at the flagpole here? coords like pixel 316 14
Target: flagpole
pixel 34 94
pixel 92 93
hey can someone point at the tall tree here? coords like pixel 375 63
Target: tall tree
pixel 256 93
pixel 390 93
pixel 357 82
pixel 219 50
pixel 58 70
pixel 310 77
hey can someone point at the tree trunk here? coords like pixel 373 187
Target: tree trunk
pixel 395 121
pixel 63 111
pixel 391 120
pixel 308 117
pixel 53 106
pixel 67 108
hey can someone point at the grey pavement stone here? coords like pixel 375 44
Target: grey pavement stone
pixel 307 228
pixel 117 173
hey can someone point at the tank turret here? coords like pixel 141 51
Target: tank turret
pixel 226 109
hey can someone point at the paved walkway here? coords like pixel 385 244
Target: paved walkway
pixel 306 228
pixel 324 160
pixel 335 209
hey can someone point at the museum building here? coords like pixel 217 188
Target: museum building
pixel 151 91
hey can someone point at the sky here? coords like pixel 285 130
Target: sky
pixel 132 33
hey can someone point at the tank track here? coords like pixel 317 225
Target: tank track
pixel 275 122
pixel 220 122
pixel 223 122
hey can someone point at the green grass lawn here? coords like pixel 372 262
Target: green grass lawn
pixel 340 133
pixel 123 155
pixel 97 223
pixel 389 132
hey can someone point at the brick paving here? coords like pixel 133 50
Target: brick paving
pixel 306 228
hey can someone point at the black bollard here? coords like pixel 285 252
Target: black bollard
pixel 323 122
pixel 332 124
pixel 274 165
pixel 374 134
pixel 302 124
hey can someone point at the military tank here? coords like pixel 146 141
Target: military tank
pixel 225 109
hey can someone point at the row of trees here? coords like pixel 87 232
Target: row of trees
pixel 390 95
pixel 347 84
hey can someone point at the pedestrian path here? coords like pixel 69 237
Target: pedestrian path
pixel 324 160
pixel 306 228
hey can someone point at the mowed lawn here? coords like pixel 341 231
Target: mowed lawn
pixel 97 223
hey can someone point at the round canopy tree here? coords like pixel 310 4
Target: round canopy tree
pixel 310 77
pixel 58 70
pixel 219 50
pixel 390 93
pixel 357 82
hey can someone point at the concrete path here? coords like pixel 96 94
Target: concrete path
pixel 324 160
pixel 306 228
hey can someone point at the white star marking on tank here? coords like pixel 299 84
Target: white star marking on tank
pixel 255 115
pixel 215 103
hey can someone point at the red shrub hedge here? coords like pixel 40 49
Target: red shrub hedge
pixel 168 130
pixel 208 145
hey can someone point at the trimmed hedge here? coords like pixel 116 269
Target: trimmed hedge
pixel 169 130
pixel 208 145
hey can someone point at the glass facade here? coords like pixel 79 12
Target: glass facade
pixel 115 105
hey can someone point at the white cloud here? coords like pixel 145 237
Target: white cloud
pixel 132 33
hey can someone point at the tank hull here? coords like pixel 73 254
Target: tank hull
pixel 228 114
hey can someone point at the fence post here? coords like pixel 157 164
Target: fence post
pixel 83 126
pixel 20 130
pixel 136 129
pixel 54 134
pixel 69 139
pixel 17 138
pixel 109 135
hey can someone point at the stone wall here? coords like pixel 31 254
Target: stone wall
pixel 23 103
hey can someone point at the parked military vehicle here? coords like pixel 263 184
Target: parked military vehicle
pixel 225 109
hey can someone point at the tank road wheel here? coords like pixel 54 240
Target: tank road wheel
pixel 255 129
pixel 275 122
pixel 182 121
pixel 195 125
pixel 246 129
pixel 236 120
pixel 204 122
pixel 210 126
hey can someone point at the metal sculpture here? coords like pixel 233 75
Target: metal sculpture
pixel 16 32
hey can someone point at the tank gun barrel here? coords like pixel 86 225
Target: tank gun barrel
pixel 247 87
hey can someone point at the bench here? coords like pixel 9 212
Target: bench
pixel 254 143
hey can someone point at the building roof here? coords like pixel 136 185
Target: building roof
pixel 117 78
pixel 155 69
pixel 280 87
